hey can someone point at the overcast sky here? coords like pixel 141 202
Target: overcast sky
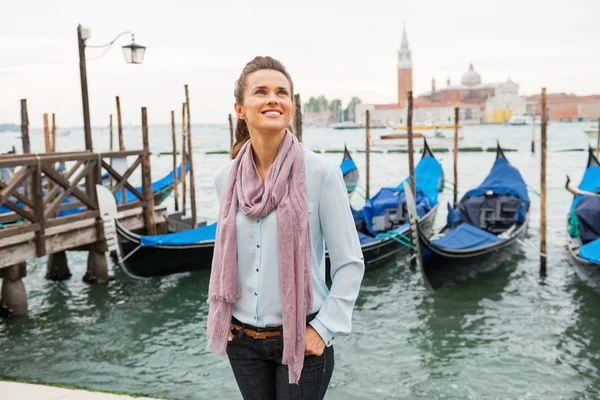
pixel 336 48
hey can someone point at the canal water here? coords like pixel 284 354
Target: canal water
pixel 508 334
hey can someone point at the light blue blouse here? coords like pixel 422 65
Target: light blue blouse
pixel 258 254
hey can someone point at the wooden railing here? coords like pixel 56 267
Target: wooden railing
pixel 40 197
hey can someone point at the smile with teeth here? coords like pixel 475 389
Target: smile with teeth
pixel 272 113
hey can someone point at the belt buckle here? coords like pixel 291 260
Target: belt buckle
pixel 259 335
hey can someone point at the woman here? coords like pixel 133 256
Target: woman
pixel 270 308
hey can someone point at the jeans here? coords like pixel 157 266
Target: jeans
pixel 256 365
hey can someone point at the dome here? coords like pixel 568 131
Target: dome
pixel 470 78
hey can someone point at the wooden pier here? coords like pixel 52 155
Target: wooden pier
pixel 49 206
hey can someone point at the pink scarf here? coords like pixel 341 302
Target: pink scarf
pixel 284 190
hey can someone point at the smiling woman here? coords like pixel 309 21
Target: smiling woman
pixel 271 311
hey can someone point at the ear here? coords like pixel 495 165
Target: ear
pixel 239 111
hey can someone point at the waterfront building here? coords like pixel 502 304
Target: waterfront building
pixel 478 102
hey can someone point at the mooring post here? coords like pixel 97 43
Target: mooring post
pixel 120 126
pixel 111 134
pixel 147 178
pixel 25 128
pixel 230 132
pixel 175 177
pixel 598 141
pixel 411 165
pixel 13 296
pixel 368 154
pixel 183 162
pixel 533 130
pixel 191 158
pixel 298 118
pixel 543 189
pixel 455 196
pixel 47 144
pixel 53 133
pixel 411 149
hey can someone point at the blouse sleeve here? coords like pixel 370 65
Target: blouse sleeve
pixel 345 254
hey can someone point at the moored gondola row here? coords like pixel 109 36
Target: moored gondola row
pixel 481 233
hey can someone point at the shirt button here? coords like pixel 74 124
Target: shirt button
pixel 256 294
pixel 258 221
pixel 256 269
pixel 258 246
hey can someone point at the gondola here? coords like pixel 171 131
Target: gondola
pixel 349 171
pixel 146 256
pixel 481 233
pixel 583 225
pixel 382 224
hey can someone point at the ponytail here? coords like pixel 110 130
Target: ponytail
pixel 242 135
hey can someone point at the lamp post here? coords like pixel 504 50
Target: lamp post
pixel 134 54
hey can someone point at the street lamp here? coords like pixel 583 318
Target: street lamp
pixel 134 54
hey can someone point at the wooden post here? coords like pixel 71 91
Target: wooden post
pixel 87 128
pixel 230 132
pixel 111 134
pixel 147 178
pixel 455 198
pixel 298 118
pixel 533 131
pixel 25 127
pixel 120 126
pixel 183 162
pixel 175 177
pixel 47 144
pixel 543 189
pixel 191 158
pixel 368 154
pixel 598 142
pixel 411 156
pixel 121 141
pixel 53 145
pixel 13 295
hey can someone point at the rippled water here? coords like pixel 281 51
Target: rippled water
pixel 506 334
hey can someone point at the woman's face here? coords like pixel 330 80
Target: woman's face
pixel 268 106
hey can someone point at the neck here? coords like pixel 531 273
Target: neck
pixel 265 148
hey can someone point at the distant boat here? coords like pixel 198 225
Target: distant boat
pixel 425 127
pixel 355 125
pixel 524 119
pixel 401 139
pixel 592 130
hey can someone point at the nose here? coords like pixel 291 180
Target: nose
pixel 272 98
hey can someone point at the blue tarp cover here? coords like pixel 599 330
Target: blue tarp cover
pixel 201 234
pixel 591 251
pixel 428 174
pixel 347 166
pixel 157 186
pixel 464 237
pixel 502 179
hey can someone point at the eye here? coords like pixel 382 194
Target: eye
pixel 283 92
pixel 260 91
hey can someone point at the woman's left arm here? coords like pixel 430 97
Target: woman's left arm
pixel 345 254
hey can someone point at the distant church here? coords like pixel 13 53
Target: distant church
pixel 477 102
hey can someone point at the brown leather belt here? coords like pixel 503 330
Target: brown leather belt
pixel 256 334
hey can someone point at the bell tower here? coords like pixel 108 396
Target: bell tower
pixel 404 68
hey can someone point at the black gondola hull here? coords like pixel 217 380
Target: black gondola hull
pixel 145 262
pixel 587 271
pixel 444 268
